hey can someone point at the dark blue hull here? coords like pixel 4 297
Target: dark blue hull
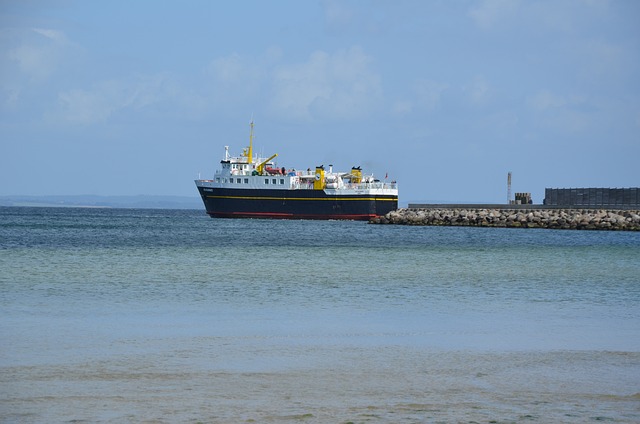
pixel 294 204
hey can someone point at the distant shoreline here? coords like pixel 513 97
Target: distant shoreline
pixel 95 201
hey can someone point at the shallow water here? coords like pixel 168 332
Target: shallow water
pixel 170 316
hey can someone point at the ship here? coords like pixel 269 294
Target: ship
pixel 248 186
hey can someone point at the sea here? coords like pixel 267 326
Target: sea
pixel 169 316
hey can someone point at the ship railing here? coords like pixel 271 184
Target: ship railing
pixel 374 185
pixel 300 185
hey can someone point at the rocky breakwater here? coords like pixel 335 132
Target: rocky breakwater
pixel 569 219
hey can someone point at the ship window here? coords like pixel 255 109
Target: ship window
pixel 217 179
pixel 274 181
pixel 266 180
pixel 246 180
pixel 281 180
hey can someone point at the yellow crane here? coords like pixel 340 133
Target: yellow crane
pixel 260 167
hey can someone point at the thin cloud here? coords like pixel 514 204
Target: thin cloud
pixel 491 12
pixel 402 107
pixel 30 60
pixel 429 93
pixel 337 14
pixel 563 113
pixel 545 99
pixel 234 79
pixel 141 94
pixel 51 34
pixel 228 69
pixel 332 86
pixel 604 59
pixel 479 90
pixel 563 16
pixel 38 57
pixel 85 107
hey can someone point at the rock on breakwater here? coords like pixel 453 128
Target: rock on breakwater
pixel 569 219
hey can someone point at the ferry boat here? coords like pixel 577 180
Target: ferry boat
pixel 249 186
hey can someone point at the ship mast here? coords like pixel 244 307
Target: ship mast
pixel 250 153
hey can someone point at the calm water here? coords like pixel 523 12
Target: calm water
pixel 170 316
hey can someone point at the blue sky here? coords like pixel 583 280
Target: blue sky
pixel 446 97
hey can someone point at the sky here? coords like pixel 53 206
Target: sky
pixel 447 97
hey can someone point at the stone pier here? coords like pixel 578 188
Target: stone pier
pixel 566 219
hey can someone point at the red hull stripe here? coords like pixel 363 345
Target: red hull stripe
pixel 290 216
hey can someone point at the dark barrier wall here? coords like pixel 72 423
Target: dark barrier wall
pixel 606 197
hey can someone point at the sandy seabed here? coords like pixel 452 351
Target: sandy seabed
pixel 292 380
